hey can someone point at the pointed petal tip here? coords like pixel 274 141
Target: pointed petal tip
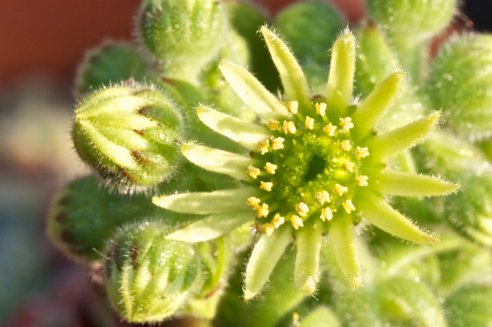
pixel 309 286
pixel 248 295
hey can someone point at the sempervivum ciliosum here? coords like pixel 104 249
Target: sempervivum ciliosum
pixel 315 168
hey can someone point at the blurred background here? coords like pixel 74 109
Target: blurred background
pixel 41 43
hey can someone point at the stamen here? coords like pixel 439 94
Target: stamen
pixel 273 124
pixel 309 123
pixel 361 152
pixel 268 229
pixel 346 146
pixel 340 189
pixel 348 206
pixel 296 221
pixel 263 146
pixel 253 172
pixel 348 165
pixel 278 220
pixel 293 107
pixel 262 211
pixel 326 214
pixel 323 197
pixel 266 186
pixel 253 202
pixel 278 143
pixel 320 108
pixel 302 209
pixel 330 129
pixel 289 127
pixel 346 124
pixel 361 180
pixel 270 168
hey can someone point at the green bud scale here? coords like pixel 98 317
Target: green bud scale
pixel 130 134
pixel 149 278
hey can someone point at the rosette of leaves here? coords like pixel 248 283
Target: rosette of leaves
pixel 316 167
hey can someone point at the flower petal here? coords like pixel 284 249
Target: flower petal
pixel 308 242
pixel 403 138
pixel 291 74
pixel 408 184
pixel 341 237
pixel 245 133
pixel 376 104
pixel 211 227
pixel 379 213
pixel 341 78
pixel 202 203
pixel 218 161
pixel 251 91
pixel 266 253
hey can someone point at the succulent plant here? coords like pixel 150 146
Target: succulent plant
pixel 213 150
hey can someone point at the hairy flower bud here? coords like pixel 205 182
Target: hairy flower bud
pixel 412 18
pixel 470 306
pixel 81 230
pixel 149 278
pixel 110 63
pixel 183 35
pixel 460 82
pixel 311 45
pixel 130 134
pixel 470 211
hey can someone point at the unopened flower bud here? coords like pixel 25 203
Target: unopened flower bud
pixel 183 35
pixel 460 83
pixel 470 211
pixel 130 134
pixel 149 278
pixel 109 64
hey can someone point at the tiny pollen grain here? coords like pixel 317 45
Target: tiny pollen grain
pixel 296 221
pixel 263 146
pixel 330 129
pixel 320 108
pixel 270 168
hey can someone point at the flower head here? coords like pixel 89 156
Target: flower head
pixel 315 167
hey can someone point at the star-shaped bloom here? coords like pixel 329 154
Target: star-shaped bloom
pixel 315 167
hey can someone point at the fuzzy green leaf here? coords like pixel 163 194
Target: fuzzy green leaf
pixel 408 184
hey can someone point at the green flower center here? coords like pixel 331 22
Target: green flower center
pixel 308 167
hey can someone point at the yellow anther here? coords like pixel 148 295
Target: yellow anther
pixel 348 165
pixel 273 124
pixel 270 168
pixel 253 202
pixel 253 172
pixel 330 129
pixel 326 214
pixel 340 189
pixel 289 127
pixel 361 152
pixel 268 229
pixel 278 220
pixel 296 221
pixel 348 206
pixel 266 186
pixel 346 124
pixel 361 180
pixel 262 211
pixel 302 209
pixel 346 145
pixel 263 146
pixel 320 108
pixel 293 107
pixel 323 197
pixel 309 123
pixel 278 143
